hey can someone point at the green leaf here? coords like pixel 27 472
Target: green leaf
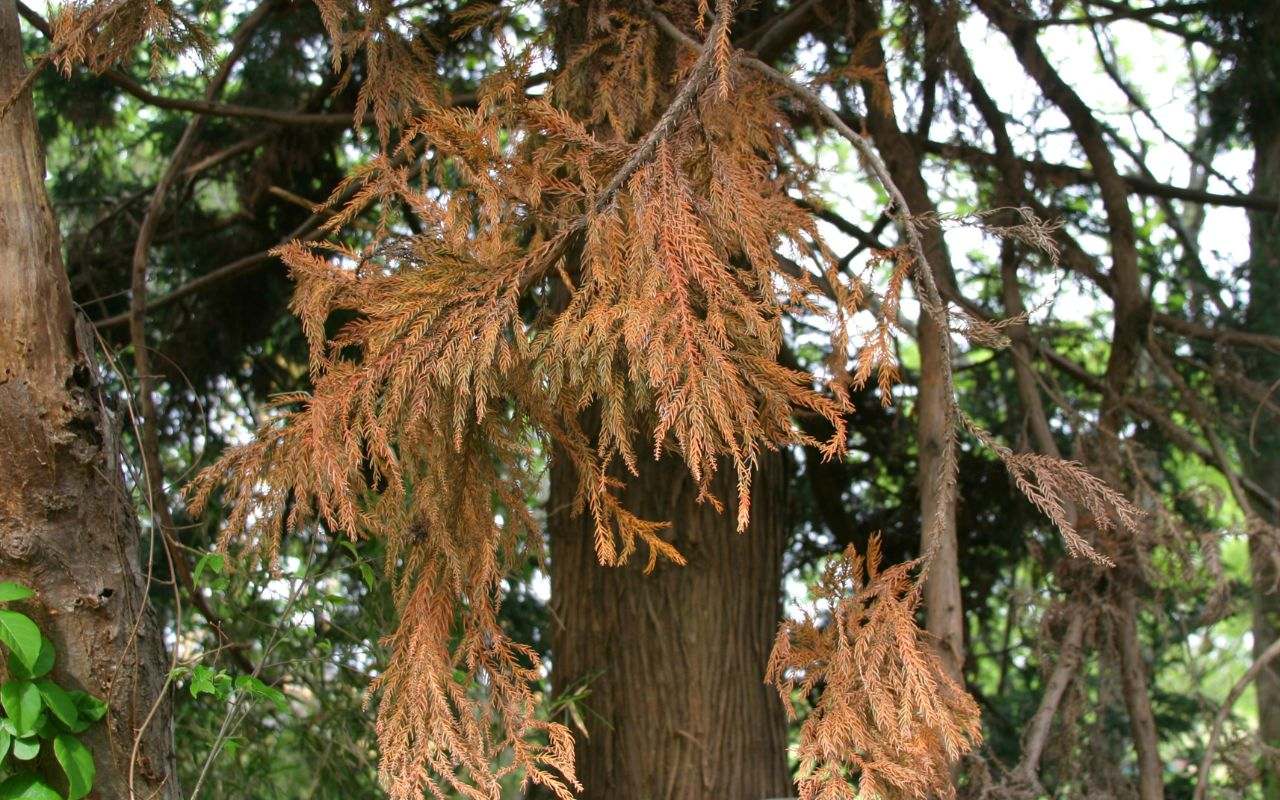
pixel 366 574
pixel 21 636
pixel 201 681
pixel 255 687
pixel 26 748
pixel 214 562
pixel 59 702
pixel 77 762
pixel 205 681
pixel 21 701
pixel 5 740
pixel 10 591
pixel 44 662
pixel 91 708
pixel 27 787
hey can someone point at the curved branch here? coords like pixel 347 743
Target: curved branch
pixel 1250 675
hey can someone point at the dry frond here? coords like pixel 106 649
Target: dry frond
pixel 424 406
pixel 876 354
pixel 102 34
pixel 1052 484
pixel 888 721
pixel 988 333
pixel 620 258
pixel 399 56
pixel 1018 223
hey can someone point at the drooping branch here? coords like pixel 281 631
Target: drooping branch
pixel 149 434
pixel 930 298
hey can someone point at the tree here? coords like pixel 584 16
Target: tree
pixel 1251 83
pixel 581 242
pixel 671 658
pixel 67 524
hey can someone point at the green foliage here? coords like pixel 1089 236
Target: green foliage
pixel 39 714
pixel 220 684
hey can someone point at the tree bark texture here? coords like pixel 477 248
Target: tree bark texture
pixel 674 661
pixel 67 527
pixel 1261 450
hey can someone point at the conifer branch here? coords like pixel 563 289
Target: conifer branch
pixel 931 300
pixel 699 76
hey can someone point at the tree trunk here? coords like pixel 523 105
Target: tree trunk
pixel 674 661
pixel 943 608
pixel 67 528
pixel 1262 452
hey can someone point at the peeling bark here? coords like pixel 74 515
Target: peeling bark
pixel 67 528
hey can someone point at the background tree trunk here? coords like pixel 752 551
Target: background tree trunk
pixel 674 661
pixel 943 607
pixel 67 528
pixel 1262 451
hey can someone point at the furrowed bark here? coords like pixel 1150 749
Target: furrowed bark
pixel 67 528
pixel 673 661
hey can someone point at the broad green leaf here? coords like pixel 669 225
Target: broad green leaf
pixel 5 740
pixel 202 681
pixel 77 762
pixel 21 636
pixel 44 662
pixel 205 681
pixel 10 591
pixel 27 787
pixel 59 702
pixel 21 701
pixel 26 749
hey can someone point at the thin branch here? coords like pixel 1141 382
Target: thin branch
pixel 1070 655
pixel 1215 733
pixel 1065 173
